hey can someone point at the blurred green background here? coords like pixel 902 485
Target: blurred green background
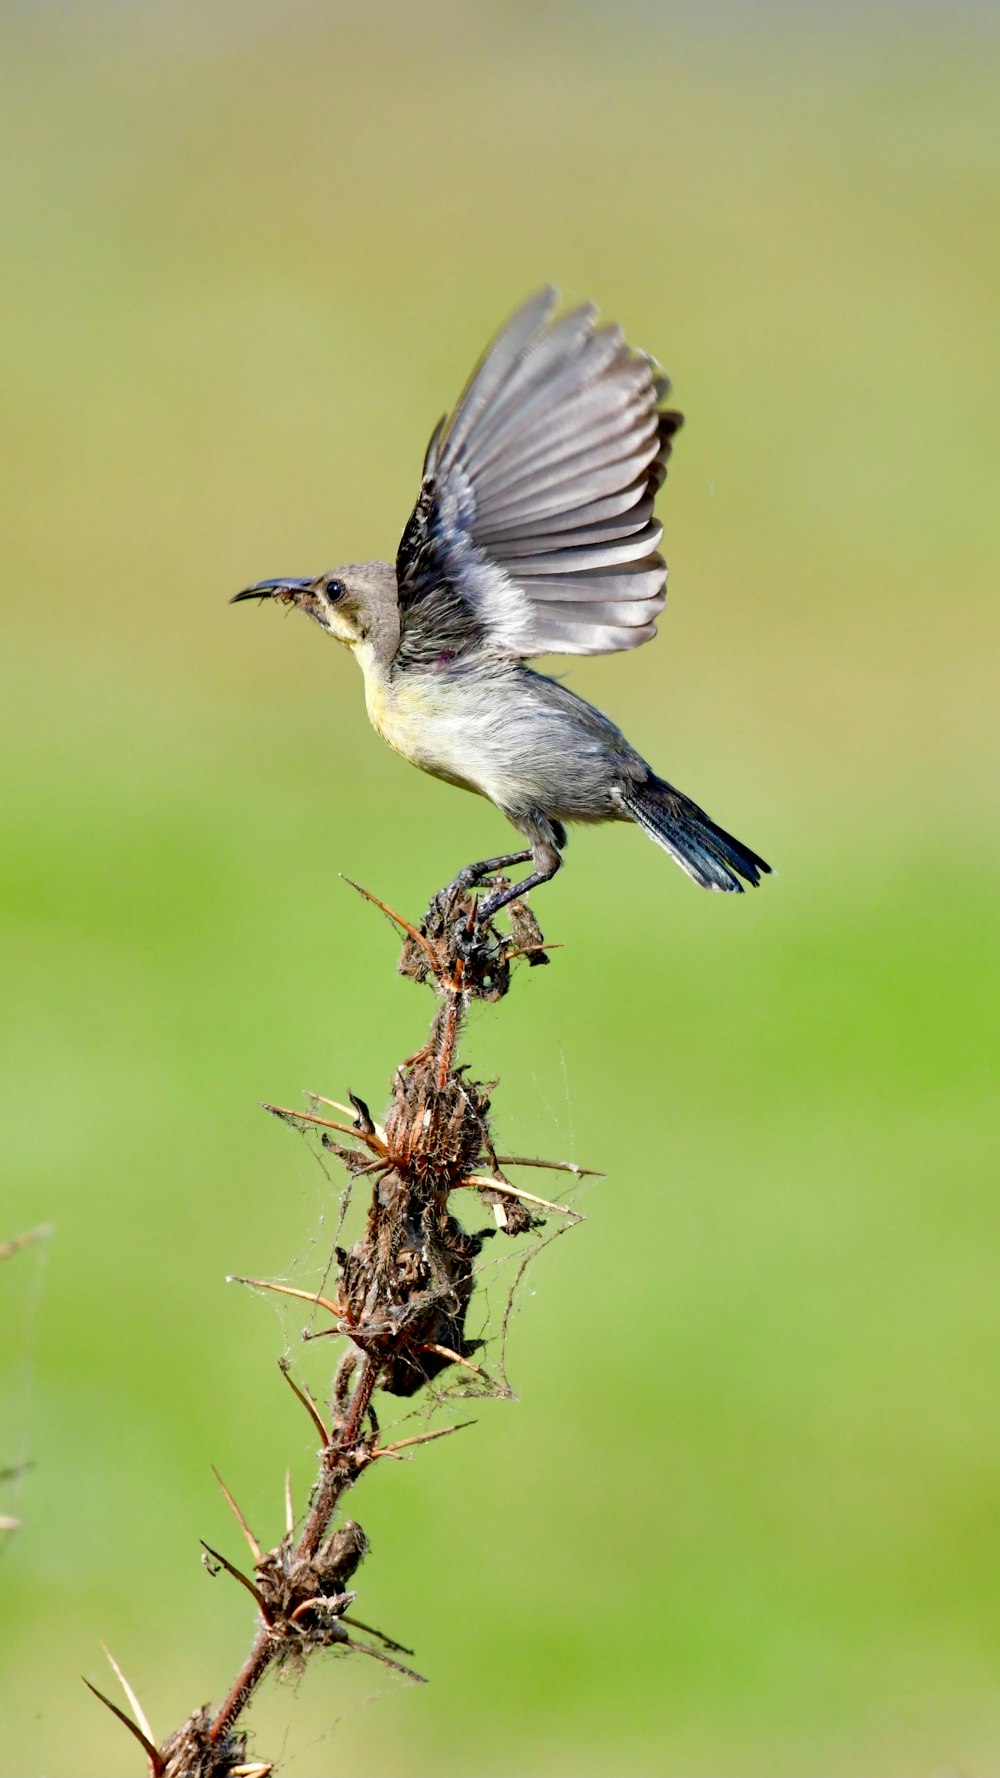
pixel 746 1517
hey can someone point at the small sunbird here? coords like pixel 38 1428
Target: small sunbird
pixel 533 534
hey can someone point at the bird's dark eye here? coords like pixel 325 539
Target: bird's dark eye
pixel 335 589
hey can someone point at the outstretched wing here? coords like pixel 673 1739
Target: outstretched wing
pixel 534 530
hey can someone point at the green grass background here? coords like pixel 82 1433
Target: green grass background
pixel 746 1517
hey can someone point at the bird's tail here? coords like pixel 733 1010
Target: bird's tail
pixel 710 855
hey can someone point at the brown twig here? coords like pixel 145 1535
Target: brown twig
pixel 401 1301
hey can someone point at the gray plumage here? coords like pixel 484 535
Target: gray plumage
pixel 533 533
pixel 534 528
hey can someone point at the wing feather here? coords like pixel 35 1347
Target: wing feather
pixel 557 560
pixel 621 506
pixel 535 382
pixel 534 530
pixel 571 484
pixel 586 636
pixel 643 581
pixel 496 367
pixel 530 457
pixel 571 528
pixel 541 407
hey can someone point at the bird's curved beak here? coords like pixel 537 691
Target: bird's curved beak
pixel 271 589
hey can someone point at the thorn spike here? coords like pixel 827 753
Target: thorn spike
pixel 140 1714
pixel 404 925
pixel 325 1123
pixel 420 1438
pixel 348 1110
pixel 238 1574
pixel 453 1357
pixel 304 1296
pixel 483 1182
pixel 157 1764
pixel 255 1549
pixel 523 1160
pixel 307 1403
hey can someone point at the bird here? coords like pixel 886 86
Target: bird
pixel 533 534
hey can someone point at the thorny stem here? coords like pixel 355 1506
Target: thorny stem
pixel 449 1035
pixel 336 1478
pixel 340 1458
pixel 402 1296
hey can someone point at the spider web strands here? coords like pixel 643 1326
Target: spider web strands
pixel 527 1259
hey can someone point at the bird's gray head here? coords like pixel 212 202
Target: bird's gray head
pixel 356 604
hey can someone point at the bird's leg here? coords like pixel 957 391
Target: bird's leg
pixel 494 903
pixel 546 858
pixel 474 873
pixel 444 902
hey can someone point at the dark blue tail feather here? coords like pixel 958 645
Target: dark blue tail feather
pixel 712 857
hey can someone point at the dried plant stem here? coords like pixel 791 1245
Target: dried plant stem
pixel 401 1302
pixel 343 1458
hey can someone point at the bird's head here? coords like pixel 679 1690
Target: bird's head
pixel 356 604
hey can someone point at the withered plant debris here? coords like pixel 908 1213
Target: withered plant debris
pixel 401 1301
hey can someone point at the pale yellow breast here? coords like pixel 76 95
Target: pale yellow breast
pixel 418 720
pixel 398 719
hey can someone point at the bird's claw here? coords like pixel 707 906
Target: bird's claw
pixel 468 937
pixel 463 943
pixel 460 945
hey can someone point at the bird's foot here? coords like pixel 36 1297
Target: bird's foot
pixel 461 950
pixel 458 945
pixel 461 928
pixel 475 937
pixel 483 875
pixel 470 937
